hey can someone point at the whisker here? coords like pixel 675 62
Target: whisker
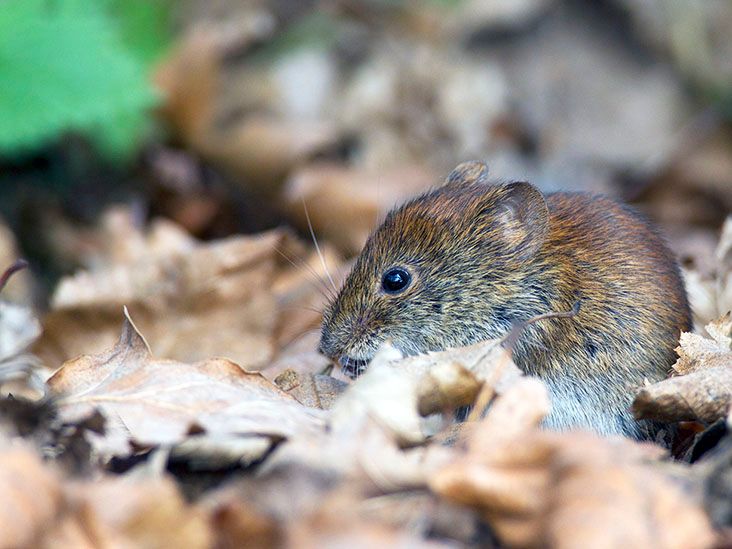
pixel 317 247
pixel 377 212
pixel 300 336
pixel 301 308
pixel 316 278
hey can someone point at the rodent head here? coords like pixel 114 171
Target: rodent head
pixel 442 270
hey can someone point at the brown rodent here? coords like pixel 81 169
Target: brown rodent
pixel 465 261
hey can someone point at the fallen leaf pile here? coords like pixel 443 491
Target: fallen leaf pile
pixel 202 451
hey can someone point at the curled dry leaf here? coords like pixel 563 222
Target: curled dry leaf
pixel 192 302
pixel 151 402
pixel 539 488
pixel 703 390
pixel 697 352
pixel 705 396
pixel 388 395
pixel 448 385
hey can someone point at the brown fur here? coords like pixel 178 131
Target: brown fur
pixel 483 257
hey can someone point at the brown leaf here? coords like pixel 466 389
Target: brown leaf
pixel 446 386
pixel 539 488
pixel 345 204
pixel 260 149
pixel 31 493
pixel 703 390
pixel 516 412
pixel 43 510
pixel 193 302
pixel 314 391
pixel 704 395
pixel 391 388
pixel 130 512
pixel 699 352
pixel 237 523
pixel 153 402
pixel 377 417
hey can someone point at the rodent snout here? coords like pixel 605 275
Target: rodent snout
pixel 352 367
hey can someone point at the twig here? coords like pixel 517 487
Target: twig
pixel 19 265
pixel 487 392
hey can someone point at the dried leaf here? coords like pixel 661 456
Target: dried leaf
pixel 394 389
pixel 710 293
pixel 538 488
pixel 704 395
pixel 344 204
pixel 446 386
pixel 193 303
pixel 31 494
pixel 698 352
pixel 260 149
pixel 703 390
pixel 152 402
pixel 128 511
pixel 236 523
pixel 314 391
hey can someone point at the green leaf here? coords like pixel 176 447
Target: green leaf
pixel 64 67
pixel 144 26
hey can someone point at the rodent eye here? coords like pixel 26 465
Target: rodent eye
pixel 395 280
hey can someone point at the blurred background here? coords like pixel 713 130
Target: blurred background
pixel 228 116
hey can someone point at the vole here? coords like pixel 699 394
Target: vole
pixel 469 259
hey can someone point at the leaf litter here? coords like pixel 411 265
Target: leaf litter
pixel 150 403
pixel 320 460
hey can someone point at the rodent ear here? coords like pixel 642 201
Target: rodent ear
pixel 468 173
pixel 524 217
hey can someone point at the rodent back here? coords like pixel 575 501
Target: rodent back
pixel 482 257
pixel 634 305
